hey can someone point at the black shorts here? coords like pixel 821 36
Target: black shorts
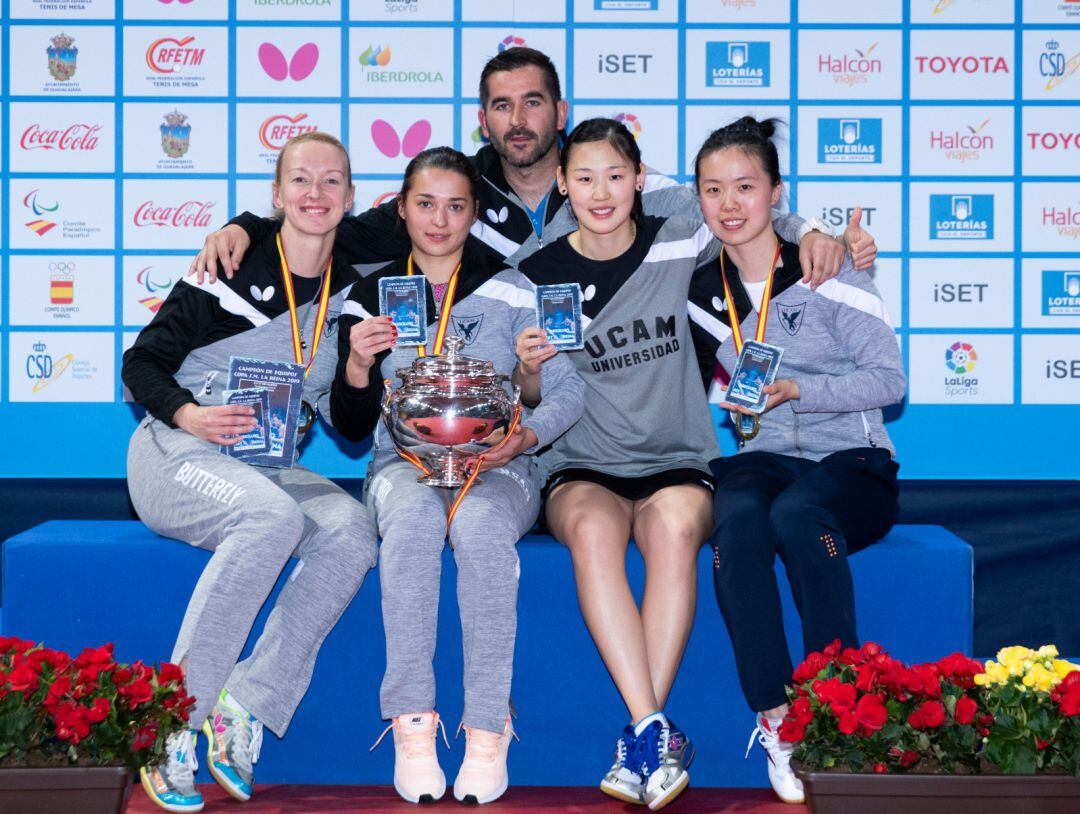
pixel 633 488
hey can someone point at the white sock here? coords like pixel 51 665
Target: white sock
pixel 643 724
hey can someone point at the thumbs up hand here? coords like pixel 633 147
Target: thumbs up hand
pixel 860 243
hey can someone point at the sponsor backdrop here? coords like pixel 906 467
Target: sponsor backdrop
pixel 131 128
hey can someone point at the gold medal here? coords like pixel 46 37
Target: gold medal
pixel 307 417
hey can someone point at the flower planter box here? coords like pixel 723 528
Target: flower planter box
pixel 96 790
pixel 843 793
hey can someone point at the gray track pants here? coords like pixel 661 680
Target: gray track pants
pixel 412 523
pixel 253 519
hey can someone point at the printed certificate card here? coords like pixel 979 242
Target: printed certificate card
pixel 558 312
pixel 284 385
pixel 757 366
pixel 258 439
pixel 403 300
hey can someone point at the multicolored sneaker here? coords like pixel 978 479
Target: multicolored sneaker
pixel 623 781
pixel 235 738
pixel 482 777
pixel 418 778
pixel 787 786
pixel 171 785
pixel 666 753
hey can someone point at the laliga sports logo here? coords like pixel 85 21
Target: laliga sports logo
pixel 74 137
pixel 168 55
pixel 632 122
pixel 39 225
pixel 1055 67
pixel 42 370
pixel 276 130
pixel 850 70
pixel 298 68
pixel 145 279
pixel 388 142
pixel 510 41
pixel 188 215
pixel 960 357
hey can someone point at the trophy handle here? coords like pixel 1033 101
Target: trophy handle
pixel 388 396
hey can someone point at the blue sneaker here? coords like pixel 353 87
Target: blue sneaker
pixel 235 738
pixel 624 781
pixel 171 785
pixel 666 753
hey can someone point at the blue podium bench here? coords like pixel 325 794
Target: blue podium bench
pixel 72 584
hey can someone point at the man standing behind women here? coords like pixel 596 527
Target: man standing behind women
pixel 491 307
pixel 252 518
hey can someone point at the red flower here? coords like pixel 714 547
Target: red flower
pixel 965 710
pixel 1041 744
pixel 801 711
pixel 169 672
pixel 909 758
pixel 926 680
pixel 851 656
pixel 871 713
pixel 100 710
pixel 13 644
pixel 870 650
pixel 832 650
pixel 880 768
pixel 100 656
pixel 792 731
pixel 23 677
pixel 145 737
pixel 847 722
pixel 835 693
pixel 960 670
pixel 1067 694
pixel 137 692
pixel 809 669
pixel 928 715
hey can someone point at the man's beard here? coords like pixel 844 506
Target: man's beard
pixel 542 148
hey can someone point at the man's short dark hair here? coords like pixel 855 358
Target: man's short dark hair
pixel 520 57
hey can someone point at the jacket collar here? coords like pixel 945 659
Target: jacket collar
pixel 787 275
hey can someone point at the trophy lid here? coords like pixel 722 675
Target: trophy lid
pixel 453 363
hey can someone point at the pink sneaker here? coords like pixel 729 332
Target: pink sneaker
pixel 482 777
pixel 418 777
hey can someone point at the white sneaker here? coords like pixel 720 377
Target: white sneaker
pixel 418 777
pixel 787 786
pixel 482 777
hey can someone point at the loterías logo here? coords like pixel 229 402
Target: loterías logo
pixel 391 145
pixel 75 137
pixel 277 129
pixel 169 55
pixel 188 215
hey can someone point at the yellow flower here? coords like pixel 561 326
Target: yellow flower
pixel 1047 651
pixel 1063 668
pixel 1040 678
pixel 995 674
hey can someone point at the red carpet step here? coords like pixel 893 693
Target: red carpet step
pixel 535 799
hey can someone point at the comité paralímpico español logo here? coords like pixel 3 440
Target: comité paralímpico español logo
pixel 40 225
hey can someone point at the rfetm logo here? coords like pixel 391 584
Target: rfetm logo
pixel 510 41
pixel 849 141
pixel 42 370
pixel 77 137
pixel 169 55
pixel 298 68
pixel 61 283
pixel 632 122
pixel 737 64
pixel 145 278
pixel 62 56
pixel 1061 293
pixel 386 138
pixel 39 225
pixel 1055 66
pixel 962 145
pixel 375 56
pixel 278 129
pixel 960 357
pixel 852 68
pixel 175 134
pixel 961 217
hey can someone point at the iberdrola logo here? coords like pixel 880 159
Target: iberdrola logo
pixel 375 56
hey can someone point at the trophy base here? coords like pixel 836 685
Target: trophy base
pixel 448 471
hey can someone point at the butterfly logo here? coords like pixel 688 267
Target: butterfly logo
pixel 391 145
pixel 589 293
pixel 279 69
pixel 498 217
pixel 262 296
pixel 181 2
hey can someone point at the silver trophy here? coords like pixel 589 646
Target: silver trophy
pixel 448 410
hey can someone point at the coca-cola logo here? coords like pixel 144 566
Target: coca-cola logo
pixel 76 136
pixel 169 55
pixel 188 215
pixel 276 130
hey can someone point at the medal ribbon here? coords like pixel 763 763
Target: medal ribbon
pixel 320 314
pixel 444 312
pixel 763 310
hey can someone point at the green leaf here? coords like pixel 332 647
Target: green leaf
pixel 1021 760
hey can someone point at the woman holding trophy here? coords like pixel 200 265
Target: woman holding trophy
pixel 490 310
pixel 815 478
pixel 253 517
